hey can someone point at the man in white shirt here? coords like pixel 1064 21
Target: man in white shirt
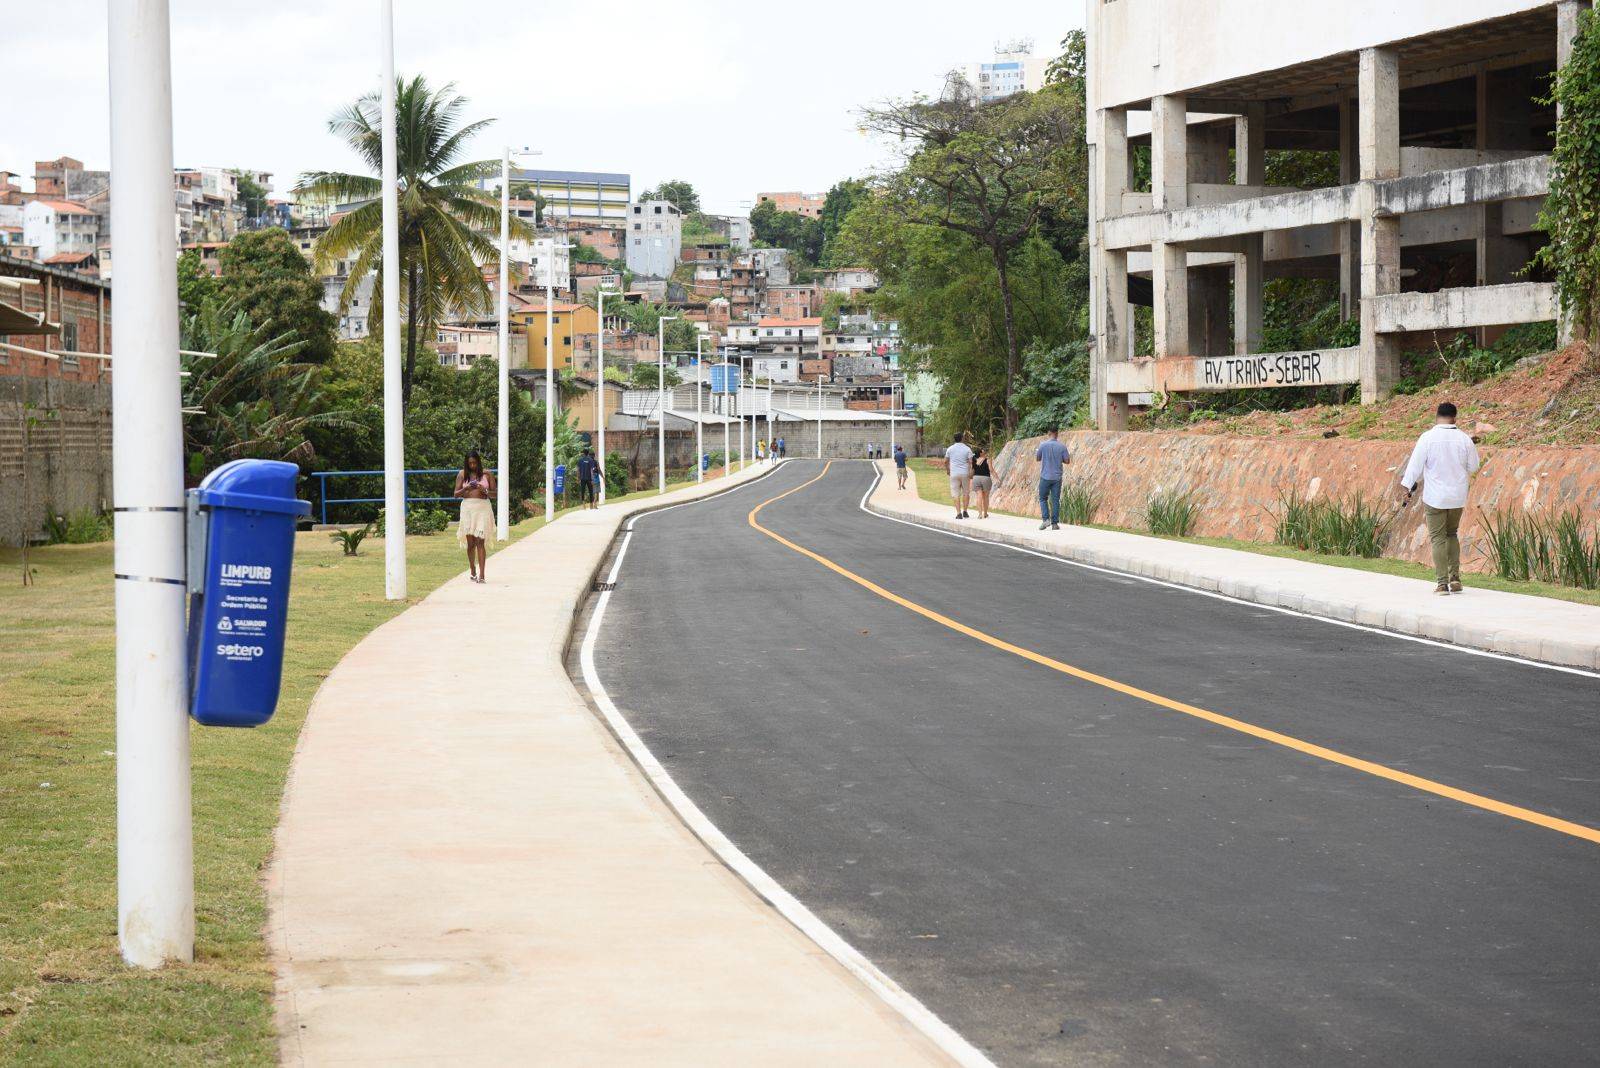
pixel 1445 460
pixel 959 456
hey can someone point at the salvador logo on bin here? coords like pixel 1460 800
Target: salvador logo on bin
pixel 241 549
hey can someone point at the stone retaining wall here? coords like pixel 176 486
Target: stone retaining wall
pixel 1239 481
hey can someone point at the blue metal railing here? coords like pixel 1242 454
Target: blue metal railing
pixel 323 476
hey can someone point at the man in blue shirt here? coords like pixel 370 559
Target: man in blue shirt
pixel 900 464
pixel 1052 455
pixel 588 476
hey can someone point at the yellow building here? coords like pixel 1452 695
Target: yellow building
pixel 568 322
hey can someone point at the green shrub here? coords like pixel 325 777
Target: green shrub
pixel 80 528
pixel 1354 527
pixel 1555 549
pixel 1079 503
pixel 618 481
pixel 1171 513
pixel 350 540
pixel 420 519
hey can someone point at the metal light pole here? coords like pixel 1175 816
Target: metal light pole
pixel 600 384
pixel 394 429
pixel 892 410
pixel 819 415
pixel 550 380
pixel 503 402
pixel 503 406
pixel 727 453
pixel 661 404
pixel 155 844
pixel 699 431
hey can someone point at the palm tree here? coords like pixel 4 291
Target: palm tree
pixel 445 219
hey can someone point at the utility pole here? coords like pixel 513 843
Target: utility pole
pixel 661 404
pixel 155 838
pixel 503 401
pixel 550 379
pixel 699 431
pixel 600 385
pixel 394 427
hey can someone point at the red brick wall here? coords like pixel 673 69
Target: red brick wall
pixel 72 305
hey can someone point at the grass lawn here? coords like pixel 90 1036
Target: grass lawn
pixel 65 996
pixel 933 485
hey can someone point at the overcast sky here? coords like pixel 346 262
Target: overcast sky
pixel 731 95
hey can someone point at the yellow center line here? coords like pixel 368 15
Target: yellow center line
pixel 1417 782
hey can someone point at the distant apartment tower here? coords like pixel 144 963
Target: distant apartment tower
pixel 1009 72
pixel 655 238
pixel 575 194
pixel 807 204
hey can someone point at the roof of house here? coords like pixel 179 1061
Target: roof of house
pixel 63 207
pixel 775 321
pixel 69 257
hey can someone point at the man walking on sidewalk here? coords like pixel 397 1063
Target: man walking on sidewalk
pixel 900 465
pixel 959 456
pixel 1052 455
pixel 1445 460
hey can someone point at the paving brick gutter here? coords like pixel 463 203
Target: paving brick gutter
pixel 1534 628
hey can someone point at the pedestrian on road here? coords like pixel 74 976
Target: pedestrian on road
pixel 475 486
pixel 982 482
pixel 589 475
pixel 1052 456
pixel 900 465
pixel 1445 460
pixel 783 448
pixel 959 458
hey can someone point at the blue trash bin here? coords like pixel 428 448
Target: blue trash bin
pixel 561 479
pixel 242 521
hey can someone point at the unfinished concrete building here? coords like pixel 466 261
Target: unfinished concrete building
pixel 1433 108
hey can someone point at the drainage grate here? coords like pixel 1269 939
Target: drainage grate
pixel 604 587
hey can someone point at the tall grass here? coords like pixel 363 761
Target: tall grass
pixel 1171 513
pixel 1079 503
pixel 1353 527
pixel 1550 548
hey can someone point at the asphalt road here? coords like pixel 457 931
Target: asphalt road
pixel 1070 874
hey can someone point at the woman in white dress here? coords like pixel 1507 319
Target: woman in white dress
pixel 475 487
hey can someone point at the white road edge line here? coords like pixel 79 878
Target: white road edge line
pixel 878 477
pixel 891 993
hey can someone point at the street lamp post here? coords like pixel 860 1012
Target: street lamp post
pixel 155 843
pixel 727 396
pixel 550 379
pixel 600 384
pixel 661 404
pixel 699 431
pixel 503 401
pixel 394 430
pixel 819 415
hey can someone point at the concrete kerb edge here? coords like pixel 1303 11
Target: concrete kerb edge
pixel 1411 623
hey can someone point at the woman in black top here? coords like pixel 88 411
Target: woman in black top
pixel 982 483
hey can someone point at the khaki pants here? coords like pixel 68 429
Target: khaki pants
pixel 1442 526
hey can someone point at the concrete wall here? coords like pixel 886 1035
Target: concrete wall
pixel 1239 481
pixel 68 458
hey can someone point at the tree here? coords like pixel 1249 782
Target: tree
pixel 255 398
pixel 1571 213
pixel 648 376
pixel 787 229
pixel 445 219
pixel 679 193
pixel 252 195
pixel 988 172
pixel 265 276
pixel 196 286
pixel 836 207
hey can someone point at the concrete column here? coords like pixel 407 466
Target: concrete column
pixel 1349 234
pixel 1116 334
pixel 1109 306
pixel 1378 124
pixel 1249 158
pixel 1566 33
pixel 1169 185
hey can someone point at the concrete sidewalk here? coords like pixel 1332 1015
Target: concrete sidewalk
pixel 470 870
pixel 1537 628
